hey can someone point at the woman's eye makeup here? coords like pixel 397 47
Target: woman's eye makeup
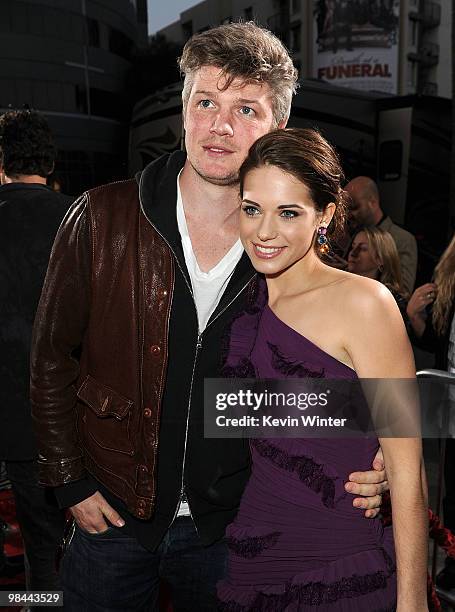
pixel 289 214
pixel 284 214
pixel 250 210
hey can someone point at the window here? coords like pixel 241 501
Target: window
pixel 93 30
pixel 24 92
pixel 120 44
pixel 35 20
pixel 40 101
pixel 414 33
pixel 141 10
pixel 412 75
pixel 5 25
pixel 390 160
pixel 69 98
pixel 81 99
pixel 76 29
pixel 294 43
pixel 19 17
pixel 7 93
pixel 55 95
pixel 107 104
pixel 187 30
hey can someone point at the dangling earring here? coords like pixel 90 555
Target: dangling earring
pixel 322 240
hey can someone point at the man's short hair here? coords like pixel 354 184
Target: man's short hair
pixel 26 144
pixel 245 51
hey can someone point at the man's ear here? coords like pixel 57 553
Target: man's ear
pixel 374 204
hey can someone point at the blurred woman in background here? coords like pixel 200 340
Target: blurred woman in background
pixel 434 331
pixel 374 254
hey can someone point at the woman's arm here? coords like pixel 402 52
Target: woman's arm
pixel 379 348
pixel 408 492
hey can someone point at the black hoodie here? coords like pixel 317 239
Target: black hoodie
pixel 216 470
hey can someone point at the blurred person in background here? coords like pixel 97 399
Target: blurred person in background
pixel 374 254
pixel 366 210
pixel 431 311
pixel 55 182
pixel 30 214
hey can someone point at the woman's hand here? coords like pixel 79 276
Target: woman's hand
pixel 419 300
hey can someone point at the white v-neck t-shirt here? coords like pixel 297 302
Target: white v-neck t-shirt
pixel 208 287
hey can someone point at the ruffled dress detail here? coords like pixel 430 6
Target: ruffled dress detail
pixel 297 543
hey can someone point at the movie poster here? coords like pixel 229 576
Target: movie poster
pixel 356 43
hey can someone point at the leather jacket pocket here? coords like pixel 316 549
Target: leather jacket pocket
pixel 107 422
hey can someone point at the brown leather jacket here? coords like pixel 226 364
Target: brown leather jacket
pixel 110 271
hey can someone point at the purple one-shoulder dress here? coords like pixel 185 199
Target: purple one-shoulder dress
pixel 297 543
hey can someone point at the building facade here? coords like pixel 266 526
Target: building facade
pixel 70 61
pixel 394 46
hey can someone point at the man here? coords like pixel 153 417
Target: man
pixel 145 277
pixel 30 214
pixel 366 210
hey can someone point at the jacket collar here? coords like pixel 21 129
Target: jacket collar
pixel 10 187
pixel 242 275
pixel 385 223
pixel 158 195
pixel 158 200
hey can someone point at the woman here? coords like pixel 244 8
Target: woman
pixel 374 254
pixel 435 332
pixel 296 543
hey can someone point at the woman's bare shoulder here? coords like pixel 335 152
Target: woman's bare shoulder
pixel 362 295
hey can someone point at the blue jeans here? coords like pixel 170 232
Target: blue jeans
pixel 112 571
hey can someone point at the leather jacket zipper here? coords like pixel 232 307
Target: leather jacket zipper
pixel 197 349
pixel 182 484
pixel 198 346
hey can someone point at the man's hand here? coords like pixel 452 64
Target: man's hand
pixel 91 512
pixel 370 484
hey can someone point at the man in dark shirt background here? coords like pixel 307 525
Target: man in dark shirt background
pixel 30 214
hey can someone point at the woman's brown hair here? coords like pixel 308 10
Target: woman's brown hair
pixel 444 278
pixel 311 159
